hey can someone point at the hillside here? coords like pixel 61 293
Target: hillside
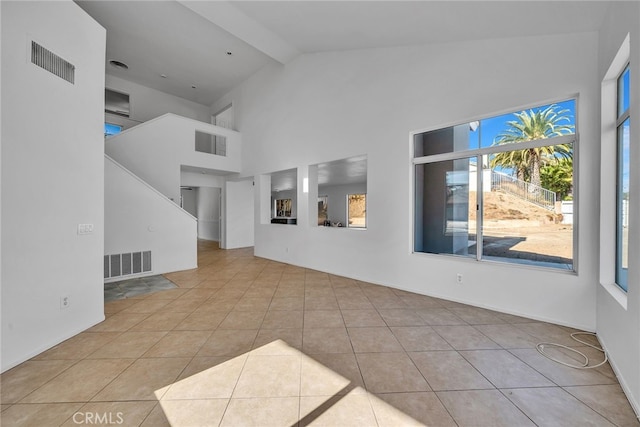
pixel 503 206
pixel 514 228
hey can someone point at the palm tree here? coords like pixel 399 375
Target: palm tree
pixel 530 126
pixel 518 160
pixel 558 177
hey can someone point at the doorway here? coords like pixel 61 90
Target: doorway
pixel 204 203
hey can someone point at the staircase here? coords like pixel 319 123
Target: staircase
pixel 139 220
pixel 143 167
pixel 158 150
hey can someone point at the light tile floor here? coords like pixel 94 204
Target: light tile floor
pixel 245 341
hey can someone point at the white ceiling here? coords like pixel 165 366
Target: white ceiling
pixel 313 26
pixel 188 40
pixel 165 37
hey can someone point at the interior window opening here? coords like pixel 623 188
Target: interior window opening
pixel 284 200
pixel 341 193
pixel 116 103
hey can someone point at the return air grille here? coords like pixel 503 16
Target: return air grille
pixel 126 264
pixel 51 62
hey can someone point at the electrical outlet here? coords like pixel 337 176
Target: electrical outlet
pixel 85 228
pixel 64 302
pixel 459 277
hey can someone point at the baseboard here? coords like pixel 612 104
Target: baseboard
pixel 635 405
pixel 587 328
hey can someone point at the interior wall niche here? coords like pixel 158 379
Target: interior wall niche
pixel 284 197
pixel 338 182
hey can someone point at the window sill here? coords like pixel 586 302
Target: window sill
pixel 284 220
pixel 501 262
pixel 617 294
pixel 342 227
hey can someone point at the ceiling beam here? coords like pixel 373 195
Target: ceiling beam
pixel 231 19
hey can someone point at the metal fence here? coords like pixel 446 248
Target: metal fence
pixel 524 190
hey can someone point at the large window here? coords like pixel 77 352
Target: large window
pixel 622 180
pixel 500 188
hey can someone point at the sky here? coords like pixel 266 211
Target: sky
pixel 623 91
pixel 623 105
pixel 110 129
pixel 490 128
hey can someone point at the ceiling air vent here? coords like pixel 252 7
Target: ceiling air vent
pixel 51 62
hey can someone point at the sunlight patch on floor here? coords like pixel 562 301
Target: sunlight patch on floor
pixel 275 384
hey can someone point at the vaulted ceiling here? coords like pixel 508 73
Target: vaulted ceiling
pixel 215 45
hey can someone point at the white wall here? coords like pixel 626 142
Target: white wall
pixel 619 328
pixel 208 213
pixel 238 206
pixel 147 103
pixel 157 150
pixel 224 118
pixel 1 276
pixel 193 179
pixel 52 178
pixel 190 200
pixel 209 189
pixel 334 105
pixel 337 199
pixel 138 218
pixel 204 204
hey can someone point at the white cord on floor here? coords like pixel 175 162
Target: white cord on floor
pixel 585 365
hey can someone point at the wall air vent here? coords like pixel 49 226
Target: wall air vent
pixel 127 264
pixel 51 62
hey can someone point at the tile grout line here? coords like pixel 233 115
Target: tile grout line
pixel 310 282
